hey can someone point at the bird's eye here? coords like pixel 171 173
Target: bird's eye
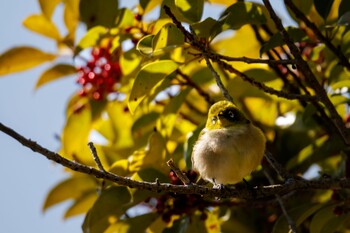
pixel 231 114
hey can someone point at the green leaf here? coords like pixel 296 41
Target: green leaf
pixel 239 14
pixel 82 204
pixel 303 5
pixel 144 46
pixel 54 73
pixel 169 37
pixel 144 126
pixel 22 58
pixel 125 18
pixel 91 38
pixel 190 9
pixel 322 218
pixel 98 13
pixel 298 214
pixel 168 117
pixel 149 76
pixel 43 26
pixel 107 209
pixel 341 84
pixel 133 225
pixel 73 143
pixel 71 188
pixel 71 17
pixel 323 7
pixel 296 34
pixel 48 7
pixel 343 8
pixel 204 29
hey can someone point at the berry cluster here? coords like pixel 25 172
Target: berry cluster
pixel 99 75
pixel 169 205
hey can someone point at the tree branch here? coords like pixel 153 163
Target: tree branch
pixel 255 60
pixel 263 192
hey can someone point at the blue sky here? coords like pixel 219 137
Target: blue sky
pixel 26 176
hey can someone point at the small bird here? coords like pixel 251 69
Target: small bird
pixel 229 148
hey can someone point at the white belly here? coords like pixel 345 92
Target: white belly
pixel 228 155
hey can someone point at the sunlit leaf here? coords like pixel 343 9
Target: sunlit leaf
pixel 133 225
pixel 22 58
pixel 48 6
pixel 71 188
pixel 148 77
pixel 71 17
pixel 152 156
pixel 42 25
pixel 204 29
pixel 98 13
pixel 82 204
pixel 298 214
pixel 169 37
pixel 130 61
pixel 91 38
pixel 323 7
pixel 107 209
pixel 144 46
pixel 149 5
pixel 144 126
pixel 54 73
pixel 125 18
pixel 190 9
pixel 74 143
pixel 239 14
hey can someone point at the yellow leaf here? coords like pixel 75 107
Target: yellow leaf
pixel 48 6
pixel 22 58
pixel 149 76
pixel 82 204
pixel 42 25
pixel 71 16
pixel 71 188
pixel 54 73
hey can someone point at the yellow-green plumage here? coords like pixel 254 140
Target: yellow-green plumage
pixel 229 148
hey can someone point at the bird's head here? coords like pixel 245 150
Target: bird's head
pixel 224 114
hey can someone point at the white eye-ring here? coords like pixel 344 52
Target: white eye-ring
pixel 213 120
pixel 231 114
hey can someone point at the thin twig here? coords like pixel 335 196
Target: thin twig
pixel 291 222
pixel 267 89
pixel 178 172
pixel 96 158
pixel 277 166
pixel 200 91
pixel 300 15
pixel 218 80
pixel 255 60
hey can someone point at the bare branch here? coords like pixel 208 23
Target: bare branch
pixel 218 80
pixel 291 222
pixel 96 158
pixel 238 192
pixel 255 60
pixel 179 173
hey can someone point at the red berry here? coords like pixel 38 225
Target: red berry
pixel 138 17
